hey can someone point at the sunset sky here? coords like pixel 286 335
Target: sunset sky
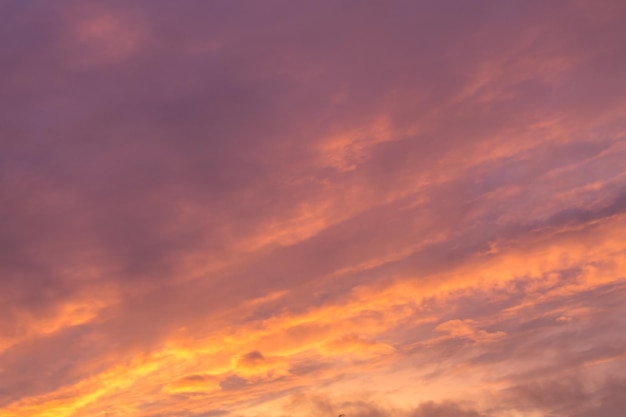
pixel 306 208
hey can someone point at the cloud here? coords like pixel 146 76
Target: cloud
pixel 209 208
pixel 611 400
pixel 443 410
pixel 193 384
pixel 320 406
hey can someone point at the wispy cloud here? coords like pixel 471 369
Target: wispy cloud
pixel 279 208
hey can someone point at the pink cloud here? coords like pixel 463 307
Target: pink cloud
pixel 226 208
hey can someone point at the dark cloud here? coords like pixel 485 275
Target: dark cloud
pixel 432 409
pixel 610 400
pixel 573 396
pixel 233 382
pixel 320 406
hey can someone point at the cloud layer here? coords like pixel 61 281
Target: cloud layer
pixel 405 208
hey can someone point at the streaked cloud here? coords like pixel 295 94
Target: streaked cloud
pixel 312 208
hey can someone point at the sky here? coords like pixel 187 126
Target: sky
pixel 309 208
